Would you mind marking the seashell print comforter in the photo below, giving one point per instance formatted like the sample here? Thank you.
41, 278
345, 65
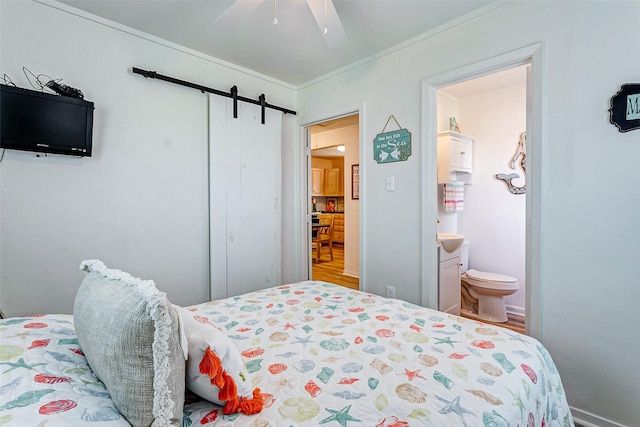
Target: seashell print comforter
323, 355
329, 356
45, 379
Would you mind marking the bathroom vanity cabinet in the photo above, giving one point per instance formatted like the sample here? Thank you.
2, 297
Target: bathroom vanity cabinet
449, 281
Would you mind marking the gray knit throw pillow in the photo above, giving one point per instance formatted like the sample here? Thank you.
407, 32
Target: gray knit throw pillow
130, 334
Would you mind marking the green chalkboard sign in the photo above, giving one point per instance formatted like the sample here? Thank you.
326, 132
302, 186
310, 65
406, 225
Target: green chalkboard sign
392, 146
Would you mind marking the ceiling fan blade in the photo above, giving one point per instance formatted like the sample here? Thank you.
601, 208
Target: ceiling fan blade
238, 8
326, 16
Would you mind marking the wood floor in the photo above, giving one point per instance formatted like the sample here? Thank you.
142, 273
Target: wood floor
514, 322
331, 271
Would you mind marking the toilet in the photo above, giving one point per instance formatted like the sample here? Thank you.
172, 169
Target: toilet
483, 292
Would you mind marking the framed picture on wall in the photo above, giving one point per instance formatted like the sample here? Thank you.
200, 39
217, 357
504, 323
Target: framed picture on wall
332, 204
355, 181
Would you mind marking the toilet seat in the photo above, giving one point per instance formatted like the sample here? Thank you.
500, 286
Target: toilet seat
490, 277
483, 279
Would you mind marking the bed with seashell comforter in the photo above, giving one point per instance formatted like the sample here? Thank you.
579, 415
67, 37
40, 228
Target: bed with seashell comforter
322, 355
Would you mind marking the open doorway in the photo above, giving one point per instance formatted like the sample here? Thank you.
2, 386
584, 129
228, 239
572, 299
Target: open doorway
333, 166
488, 116
535, 123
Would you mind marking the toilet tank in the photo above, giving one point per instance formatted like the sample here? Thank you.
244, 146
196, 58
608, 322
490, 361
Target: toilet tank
464, 256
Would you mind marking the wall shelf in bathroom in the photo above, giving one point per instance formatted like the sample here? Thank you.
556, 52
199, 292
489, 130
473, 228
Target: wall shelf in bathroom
455, 157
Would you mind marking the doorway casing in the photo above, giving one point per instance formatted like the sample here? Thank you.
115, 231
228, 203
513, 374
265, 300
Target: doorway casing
305, 243
533, 55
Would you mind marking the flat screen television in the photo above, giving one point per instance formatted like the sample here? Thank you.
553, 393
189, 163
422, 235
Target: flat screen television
45, 123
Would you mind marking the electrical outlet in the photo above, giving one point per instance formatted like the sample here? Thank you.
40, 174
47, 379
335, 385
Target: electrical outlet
391, 291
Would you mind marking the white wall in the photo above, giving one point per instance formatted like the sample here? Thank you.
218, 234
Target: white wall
140, 203
494, 219
589, 277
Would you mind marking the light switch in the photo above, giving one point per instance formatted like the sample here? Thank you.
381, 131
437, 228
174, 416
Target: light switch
391, 185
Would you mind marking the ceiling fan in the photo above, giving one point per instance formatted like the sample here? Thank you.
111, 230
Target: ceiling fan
323, 11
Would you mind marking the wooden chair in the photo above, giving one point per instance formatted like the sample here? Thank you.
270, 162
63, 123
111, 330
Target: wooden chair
324, 237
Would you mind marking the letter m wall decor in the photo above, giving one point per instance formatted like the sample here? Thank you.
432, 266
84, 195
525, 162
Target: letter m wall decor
625, 108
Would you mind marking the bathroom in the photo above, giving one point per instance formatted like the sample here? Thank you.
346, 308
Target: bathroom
492, 111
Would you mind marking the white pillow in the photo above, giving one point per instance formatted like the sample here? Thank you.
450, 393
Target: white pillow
215, 368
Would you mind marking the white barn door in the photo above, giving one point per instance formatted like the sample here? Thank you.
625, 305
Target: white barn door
244, 198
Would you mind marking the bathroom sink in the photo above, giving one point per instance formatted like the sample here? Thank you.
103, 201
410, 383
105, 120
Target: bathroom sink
450, 242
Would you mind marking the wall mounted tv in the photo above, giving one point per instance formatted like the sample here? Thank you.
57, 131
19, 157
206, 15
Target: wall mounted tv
45, 123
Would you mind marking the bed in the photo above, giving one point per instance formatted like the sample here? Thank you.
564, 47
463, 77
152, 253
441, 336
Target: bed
320, 354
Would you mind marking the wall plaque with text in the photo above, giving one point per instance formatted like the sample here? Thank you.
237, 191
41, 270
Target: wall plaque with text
392, 146
625, 108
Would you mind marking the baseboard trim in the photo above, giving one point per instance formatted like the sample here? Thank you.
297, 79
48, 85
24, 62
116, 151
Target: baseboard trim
351, 274
587, 419
513, 309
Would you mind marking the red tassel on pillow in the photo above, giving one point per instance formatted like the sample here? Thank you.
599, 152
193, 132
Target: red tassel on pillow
231, 407
248, 406
228, 391
211, 366
252, 406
